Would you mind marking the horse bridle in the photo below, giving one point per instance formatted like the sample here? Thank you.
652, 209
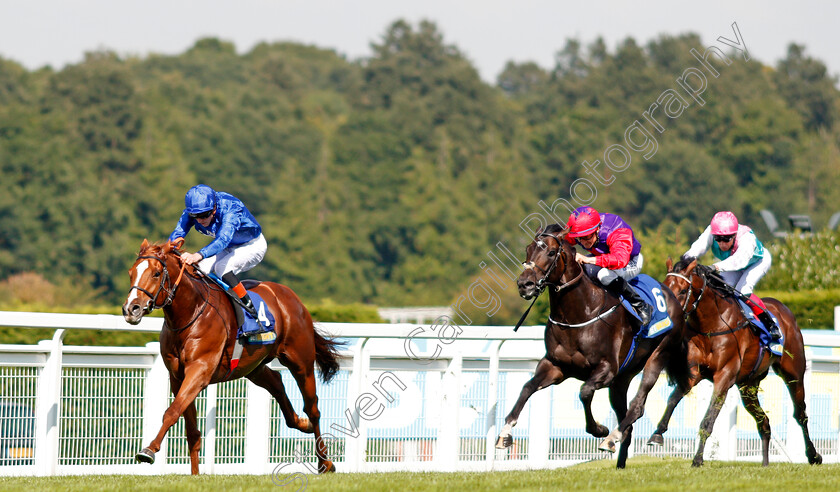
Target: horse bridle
543, 282
170, 288
686, 311
164, 286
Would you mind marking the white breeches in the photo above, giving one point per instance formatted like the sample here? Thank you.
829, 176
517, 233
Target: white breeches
633, 268
744, 280
236, 259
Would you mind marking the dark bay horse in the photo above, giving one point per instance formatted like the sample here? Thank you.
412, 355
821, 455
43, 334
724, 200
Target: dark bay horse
588, 336
198, 338
725, 351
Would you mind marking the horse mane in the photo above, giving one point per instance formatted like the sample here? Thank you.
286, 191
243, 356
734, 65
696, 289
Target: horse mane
553, 228
683, 263
706, 272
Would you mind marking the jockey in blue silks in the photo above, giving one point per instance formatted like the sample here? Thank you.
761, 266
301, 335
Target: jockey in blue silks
238, 243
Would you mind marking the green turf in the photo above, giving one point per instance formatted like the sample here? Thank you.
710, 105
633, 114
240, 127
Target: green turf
642, 474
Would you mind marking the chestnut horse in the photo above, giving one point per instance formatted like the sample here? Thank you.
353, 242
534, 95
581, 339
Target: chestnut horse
725, 351
588, 336
198, 338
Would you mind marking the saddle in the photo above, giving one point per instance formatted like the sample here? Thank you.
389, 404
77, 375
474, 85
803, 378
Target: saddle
252, 331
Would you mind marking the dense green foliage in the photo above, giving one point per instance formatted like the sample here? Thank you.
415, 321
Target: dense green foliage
386, 180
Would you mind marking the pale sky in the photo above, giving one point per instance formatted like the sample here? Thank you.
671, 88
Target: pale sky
490, 32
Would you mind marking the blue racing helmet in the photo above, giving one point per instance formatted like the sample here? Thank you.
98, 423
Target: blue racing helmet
200, 198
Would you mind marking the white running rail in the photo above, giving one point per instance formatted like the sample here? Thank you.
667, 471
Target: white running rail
87, 410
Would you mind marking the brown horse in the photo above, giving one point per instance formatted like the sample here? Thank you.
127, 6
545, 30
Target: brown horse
198, 338
724, 352
588, 336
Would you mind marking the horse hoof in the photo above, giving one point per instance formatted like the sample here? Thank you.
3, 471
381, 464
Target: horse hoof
656, 440
329, 468
146, 455
697, 463
607, 445
504, 442
817, 460
305, 425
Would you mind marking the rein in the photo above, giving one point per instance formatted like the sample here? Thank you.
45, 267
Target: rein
543, 282
169, 288
686, 312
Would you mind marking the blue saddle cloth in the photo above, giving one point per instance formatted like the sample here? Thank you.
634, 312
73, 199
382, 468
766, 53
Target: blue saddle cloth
763, 334
660, 322
651, 292
264, 322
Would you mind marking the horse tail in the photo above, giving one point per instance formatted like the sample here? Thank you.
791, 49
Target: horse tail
326, 355
677, 366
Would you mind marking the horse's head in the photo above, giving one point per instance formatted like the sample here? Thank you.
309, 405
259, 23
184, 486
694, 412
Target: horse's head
151, 280
546, 258
686, 281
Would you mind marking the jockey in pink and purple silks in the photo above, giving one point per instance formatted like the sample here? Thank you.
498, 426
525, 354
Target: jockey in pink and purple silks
616, 254
742, 260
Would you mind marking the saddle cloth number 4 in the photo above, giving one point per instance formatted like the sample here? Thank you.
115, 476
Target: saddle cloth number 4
261, 316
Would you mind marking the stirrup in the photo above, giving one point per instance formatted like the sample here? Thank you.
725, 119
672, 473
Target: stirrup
644, 311
248, 306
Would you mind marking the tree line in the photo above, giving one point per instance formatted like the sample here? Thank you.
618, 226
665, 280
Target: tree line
385, 180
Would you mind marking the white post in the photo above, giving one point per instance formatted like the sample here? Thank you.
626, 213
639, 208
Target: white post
355, 448
449, 432
208, 443
795, 442
47, 408
538, 428
492, 404
256, 437
836, 318
722, 443
156, 393
728, 420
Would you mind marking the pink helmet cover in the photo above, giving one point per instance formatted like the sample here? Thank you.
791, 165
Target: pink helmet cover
724, 223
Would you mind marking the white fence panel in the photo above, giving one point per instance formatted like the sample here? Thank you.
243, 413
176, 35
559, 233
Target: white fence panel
88, 410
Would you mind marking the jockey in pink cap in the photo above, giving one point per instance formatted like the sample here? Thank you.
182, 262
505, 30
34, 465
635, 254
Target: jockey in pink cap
742, 260
616, 254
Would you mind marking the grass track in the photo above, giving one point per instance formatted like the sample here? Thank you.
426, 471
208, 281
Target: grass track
642, 474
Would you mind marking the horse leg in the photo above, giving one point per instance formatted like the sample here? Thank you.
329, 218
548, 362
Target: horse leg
545, 375
600, 378
749, 395
272, 381
653, 367
196, 378
676, 396
193, 436
723, 380
304, 374
618, 401
673, 400
190, 426
796, 387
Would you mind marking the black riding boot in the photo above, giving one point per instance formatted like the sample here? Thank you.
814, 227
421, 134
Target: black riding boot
765, 318
643, 309
239, 291
248, 306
